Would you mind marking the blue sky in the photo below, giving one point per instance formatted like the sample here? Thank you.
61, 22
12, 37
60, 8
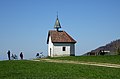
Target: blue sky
24, 24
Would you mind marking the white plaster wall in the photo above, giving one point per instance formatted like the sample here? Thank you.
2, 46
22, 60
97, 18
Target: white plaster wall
57, 49
50, 46
72, 50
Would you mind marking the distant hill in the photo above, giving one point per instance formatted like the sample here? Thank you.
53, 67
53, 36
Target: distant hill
110, 48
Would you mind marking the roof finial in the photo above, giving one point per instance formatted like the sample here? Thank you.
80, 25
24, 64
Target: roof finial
57, 23
57, 14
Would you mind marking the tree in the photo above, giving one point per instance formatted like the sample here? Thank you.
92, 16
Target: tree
118, 51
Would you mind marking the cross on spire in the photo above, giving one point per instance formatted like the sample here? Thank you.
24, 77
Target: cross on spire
57, 23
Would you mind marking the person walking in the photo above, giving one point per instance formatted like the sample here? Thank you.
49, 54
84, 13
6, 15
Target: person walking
21, 56
8, 54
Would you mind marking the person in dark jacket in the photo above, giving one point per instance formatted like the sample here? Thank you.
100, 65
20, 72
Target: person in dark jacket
8, 54
21, 56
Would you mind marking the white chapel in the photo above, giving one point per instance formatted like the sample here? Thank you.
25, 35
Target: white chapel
59, 42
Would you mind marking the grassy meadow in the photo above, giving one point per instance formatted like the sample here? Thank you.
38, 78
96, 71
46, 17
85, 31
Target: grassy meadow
113, 59
25, 69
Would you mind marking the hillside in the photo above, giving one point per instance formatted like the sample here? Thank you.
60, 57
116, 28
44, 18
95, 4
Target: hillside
111, 48
112, 59
24, 69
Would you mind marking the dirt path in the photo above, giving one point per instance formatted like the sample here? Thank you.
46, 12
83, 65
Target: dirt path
84, 63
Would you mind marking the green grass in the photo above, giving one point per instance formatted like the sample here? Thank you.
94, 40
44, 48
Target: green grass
46, 70
114, 59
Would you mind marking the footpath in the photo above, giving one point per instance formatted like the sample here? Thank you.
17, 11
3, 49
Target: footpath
79, 62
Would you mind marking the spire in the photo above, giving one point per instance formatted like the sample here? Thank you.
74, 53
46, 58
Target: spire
57, 24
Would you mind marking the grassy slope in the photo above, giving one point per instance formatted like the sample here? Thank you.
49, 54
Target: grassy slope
37, 70
115, 59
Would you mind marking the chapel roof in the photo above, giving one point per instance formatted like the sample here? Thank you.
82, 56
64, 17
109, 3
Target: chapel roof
60, 37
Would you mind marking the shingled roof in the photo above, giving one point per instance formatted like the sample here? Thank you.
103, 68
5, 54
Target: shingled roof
60, 37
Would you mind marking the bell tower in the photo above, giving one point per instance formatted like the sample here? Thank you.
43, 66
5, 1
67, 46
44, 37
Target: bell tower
57, 24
